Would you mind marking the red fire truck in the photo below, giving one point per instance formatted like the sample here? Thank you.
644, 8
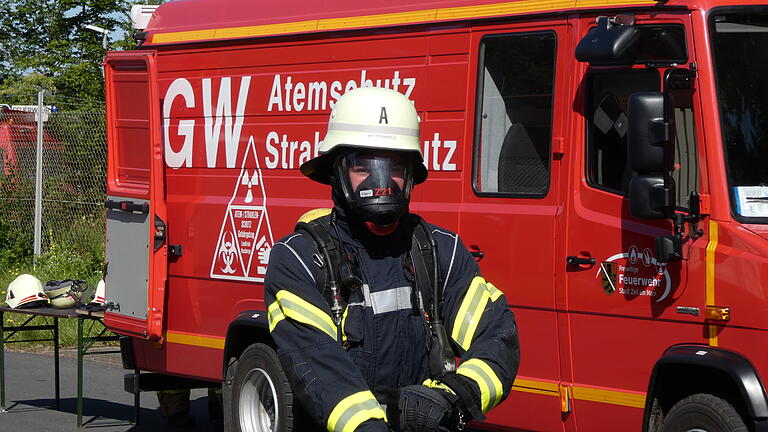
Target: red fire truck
605, 160
18, 143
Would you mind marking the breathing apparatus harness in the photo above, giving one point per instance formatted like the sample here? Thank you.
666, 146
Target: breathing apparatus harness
340, 275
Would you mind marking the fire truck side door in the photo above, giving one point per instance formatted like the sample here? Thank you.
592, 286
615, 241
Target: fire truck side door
509, 212
625, 306
136, 250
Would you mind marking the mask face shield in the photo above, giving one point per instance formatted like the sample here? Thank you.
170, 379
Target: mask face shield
376, 185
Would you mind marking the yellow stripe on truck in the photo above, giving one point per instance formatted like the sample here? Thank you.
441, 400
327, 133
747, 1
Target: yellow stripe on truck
391, 19
195, 340
709, 281
580, 392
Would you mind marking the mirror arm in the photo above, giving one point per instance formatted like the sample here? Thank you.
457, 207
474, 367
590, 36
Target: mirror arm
670, 248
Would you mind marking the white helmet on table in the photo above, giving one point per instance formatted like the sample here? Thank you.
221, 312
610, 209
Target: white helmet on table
25, 291
100, 296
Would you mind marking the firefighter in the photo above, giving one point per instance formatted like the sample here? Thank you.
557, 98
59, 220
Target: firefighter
358, 338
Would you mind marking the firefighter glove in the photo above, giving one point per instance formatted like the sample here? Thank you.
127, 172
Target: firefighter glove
424, 409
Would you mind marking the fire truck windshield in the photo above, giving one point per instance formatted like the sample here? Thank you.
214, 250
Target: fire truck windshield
739, 42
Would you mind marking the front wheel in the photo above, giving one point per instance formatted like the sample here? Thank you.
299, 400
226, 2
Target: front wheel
261, 396
703, 413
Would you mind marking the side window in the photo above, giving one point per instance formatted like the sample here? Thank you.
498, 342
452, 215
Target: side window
607, 96
513, 129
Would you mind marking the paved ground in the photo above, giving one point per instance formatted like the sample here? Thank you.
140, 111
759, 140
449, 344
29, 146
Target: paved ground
29, 397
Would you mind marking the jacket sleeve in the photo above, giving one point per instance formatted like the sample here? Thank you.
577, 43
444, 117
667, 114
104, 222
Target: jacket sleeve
321, 374
479, 324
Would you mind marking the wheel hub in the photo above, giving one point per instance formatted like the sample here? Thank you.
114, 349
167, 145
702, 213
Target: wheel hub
258, 408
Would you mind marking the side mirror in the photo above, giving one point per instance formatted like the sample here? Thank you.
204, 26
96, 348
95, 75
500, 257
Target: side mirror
648, 133
651, 190
608, 42
651, 153
650, 198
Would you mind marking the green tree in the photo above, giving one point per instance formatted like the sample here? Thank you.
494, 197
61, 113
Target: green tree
43, 43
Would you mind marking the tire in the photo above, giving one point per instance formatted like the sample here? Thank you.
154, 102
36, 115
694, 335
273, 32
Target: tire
703, 413
261, 399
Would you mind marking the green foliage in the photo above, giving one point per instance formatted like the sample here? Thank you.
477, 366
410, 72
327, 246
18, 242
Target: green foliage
43, 44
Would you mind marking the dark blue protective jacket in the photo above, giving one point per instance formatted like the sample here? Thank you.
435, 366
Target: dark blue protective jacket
384, 337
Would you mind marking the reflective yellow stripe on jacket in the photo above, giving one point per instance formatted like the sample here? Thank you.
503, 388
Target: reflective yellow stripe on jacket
490, 385
353, 410
294, 307
274, 315
471, 310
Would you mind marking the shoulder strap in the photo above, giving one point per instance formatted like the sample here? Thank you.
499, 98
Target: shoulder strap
327, 256
427, 270
423, 264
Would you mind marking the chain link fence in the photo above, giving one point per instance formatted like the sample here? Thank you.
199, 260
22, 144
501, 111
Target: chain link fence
73, 175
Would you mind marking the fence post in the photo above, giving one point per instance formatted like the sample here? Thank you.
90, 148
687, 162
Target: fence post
39, 177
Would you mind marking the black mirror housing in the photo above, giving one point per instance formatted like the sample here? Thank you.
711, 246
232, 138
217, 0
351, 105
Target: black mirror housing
648, 133
649, 198
607, 43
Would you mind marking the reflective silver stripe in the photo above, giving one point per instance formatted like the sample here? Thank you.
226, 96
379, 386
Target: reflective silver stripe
390, 300
388, 130
453, 255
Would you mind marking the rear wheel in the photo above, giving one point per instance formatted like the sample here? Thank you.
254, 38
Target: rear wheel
261, 396
703, 413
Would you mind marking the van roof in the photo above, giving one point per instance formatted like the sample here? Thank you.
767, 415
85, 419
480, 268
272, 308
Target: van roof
207, 20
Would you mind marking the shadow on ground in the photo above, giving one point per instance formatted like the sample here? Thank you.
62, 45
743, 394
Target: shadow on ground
98, 413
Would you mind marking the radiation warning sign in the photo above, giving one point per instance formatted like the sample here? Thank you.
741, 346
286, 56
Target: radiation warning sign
245, 238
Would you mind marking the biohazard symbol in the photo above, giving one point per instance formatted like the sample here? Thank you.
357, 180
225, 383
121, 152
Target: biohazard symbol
227, 253
245, 238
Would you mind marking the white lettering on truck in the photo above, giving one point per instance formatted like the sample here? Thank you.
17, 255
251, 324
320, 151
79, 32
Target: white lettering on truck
285, 95
283, 151
213, 121
224, 109
180, 87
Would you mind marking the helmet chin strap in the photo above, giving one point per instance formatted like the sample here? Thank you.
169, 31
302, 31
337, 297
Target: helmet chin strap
381, 230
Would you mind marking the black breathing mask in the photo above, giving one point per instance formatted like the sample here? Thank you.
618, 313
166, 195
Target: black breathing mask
376, 184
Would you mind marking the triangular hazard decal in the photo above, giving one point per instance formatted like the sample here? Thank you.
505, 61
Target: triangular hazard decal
245, 238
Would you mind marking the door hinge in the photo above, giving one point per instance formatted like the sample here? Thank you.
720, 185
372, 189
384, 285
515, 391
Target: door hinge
175, 250
558, 147
565, 398
159, 233
704, 204
127, 206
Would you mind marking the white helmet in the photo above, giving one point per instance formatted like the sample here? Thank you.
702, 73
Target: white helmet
25, 291
100, 296
370, 118
371, 155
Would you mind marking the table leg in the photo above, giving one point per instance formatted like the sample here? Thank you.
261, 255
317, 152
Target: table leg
56, 360
136, 400
79, 373
2, 363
